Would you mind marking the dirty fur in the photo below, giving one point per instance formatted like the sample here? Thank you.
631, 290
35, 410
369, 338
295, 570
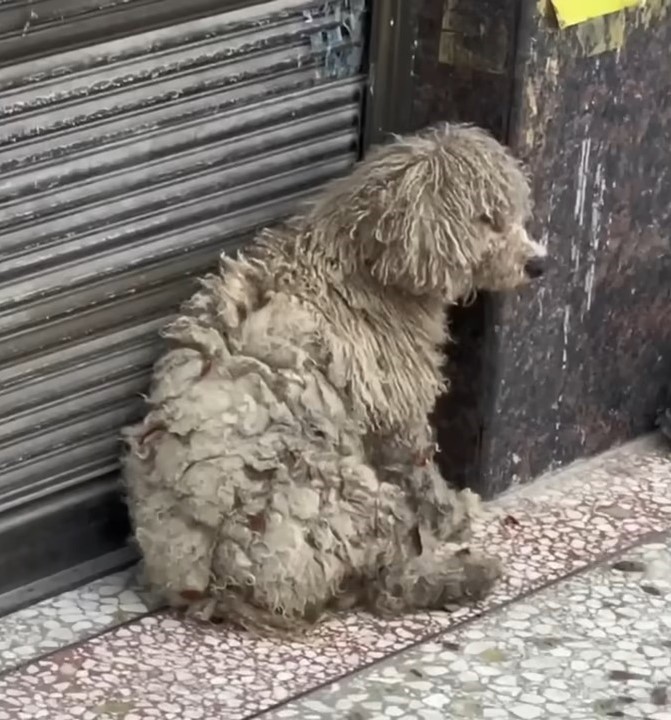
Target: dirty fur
285, 467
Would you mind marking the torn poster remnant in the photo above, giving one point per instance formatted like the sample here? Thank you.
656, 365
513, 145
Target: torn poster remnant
573, 12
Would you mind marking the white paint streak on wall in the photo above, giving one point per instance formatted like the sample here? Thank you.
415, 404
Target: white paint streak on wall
557, 407
583, 168
575, 255
567, 329
543, 241
595, 235
540, 296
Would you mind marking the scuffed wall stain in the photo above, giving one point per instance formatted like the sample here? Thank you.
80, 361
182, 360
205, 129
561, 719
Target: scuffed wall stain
602, 34
536, 99
652, 12
469, 40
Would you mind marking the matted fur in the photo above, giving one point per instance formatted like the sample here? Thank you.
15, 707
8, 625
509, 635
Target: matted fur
285, 466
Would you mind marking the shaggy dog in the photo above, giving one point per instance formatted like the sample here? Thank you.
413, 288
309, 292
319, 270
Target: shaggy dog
285, 467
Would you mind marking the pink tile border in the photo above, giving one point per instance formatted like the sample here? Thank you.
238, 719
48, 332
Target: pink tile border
167, 668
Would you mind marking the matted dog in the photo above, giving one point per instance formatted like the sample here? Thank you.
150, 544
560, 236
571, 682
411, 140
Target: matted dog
285, 467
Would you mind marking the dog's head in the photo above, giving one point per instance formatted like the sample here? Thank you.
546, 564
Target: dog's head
443, 211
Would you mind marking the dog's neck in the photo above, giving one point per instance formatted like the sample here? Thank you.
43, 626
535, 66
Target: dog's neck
384, 347
387, 350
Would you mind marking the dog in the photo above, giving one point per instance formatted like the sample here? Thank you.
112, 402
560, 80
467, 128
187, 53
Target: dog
285, 468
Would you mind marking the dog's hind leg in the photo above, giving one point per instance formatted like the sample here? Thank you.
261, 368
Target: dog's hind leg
177, 550
433, 580
176, 514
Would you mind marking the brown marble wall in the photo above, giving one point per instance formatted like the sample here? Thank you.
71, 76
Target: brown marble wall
541, 378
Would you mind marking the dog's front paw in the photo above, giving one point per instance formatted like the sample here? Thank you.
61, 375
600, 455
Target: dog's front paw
480, 575
469, 576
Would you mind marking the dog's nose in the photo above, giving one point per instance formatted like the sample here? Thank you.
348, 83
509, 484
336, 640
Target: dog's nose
535, 267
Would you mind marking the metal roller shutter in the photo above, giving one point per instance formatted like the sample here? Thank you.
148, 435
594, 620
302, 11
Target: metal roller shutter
126, 166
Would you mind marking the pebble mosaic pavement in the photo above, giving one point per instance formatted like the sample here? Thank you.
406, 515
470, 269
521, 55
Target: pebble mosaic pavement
73, 616
595, 646
162, 667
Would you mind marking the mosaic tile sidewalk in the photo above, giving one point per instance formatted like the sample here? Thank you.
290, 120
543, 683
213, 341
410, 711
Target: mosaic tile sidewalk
163, 667
597, 645
73, 616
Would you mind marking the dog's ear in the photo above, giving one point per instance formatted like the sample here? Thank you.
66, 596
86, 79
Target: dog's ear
409, 213
421, 235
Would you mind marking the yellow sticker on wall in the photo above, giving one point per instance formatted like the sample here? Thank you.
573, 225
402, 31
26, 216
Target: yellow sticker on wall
572, 12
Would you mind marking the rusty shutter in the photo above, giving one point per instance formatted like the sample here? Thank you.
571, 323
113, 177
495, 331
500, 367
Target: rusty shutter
138, 139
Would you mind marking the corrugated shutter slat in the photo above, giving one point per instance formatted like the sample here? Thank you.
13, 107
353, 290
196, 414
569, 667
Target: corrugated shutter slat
125, 168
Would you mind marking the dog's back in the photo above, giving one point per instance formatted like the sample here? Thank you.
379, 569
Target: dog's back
247, 479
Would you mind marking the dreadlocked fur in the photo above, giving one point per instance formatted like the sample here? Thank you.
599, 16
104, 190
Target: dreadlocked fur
285, 467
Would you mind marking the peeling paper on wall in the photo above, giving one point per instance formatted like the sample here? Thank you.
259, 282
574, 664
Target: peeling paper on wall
573, 12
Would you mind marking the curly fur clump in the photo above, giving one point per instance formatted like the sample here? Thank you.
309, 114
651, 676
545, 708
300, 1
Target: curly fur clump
285, 467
